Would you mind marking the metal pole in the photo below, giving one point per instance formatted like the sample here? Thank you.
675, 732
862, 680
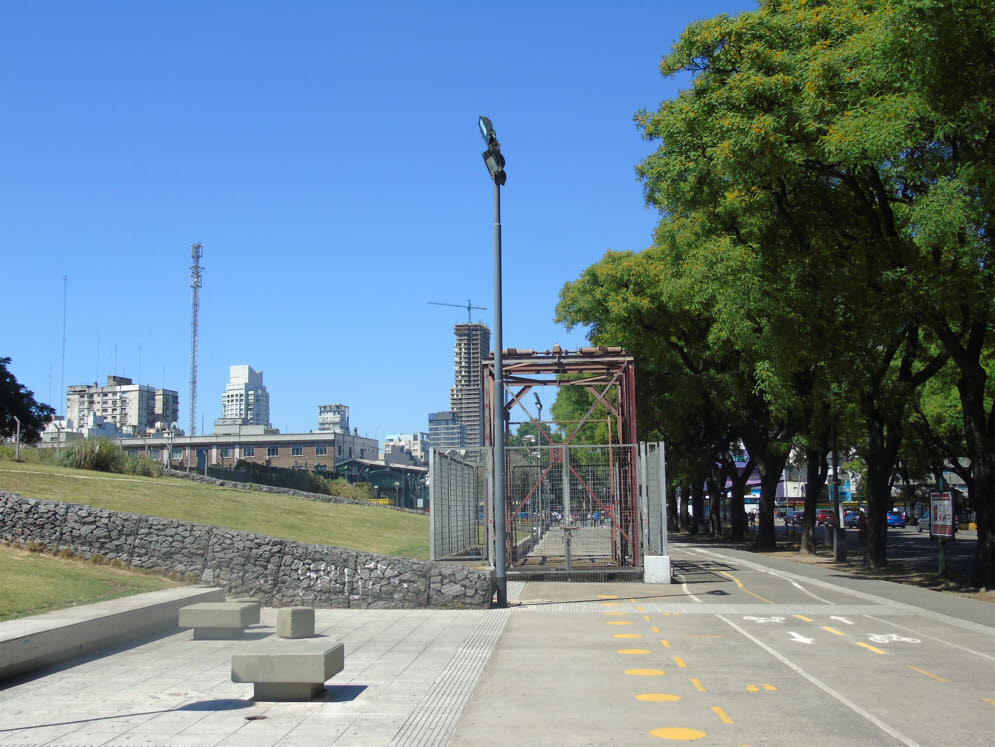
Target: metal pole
839, 532
17, 439
498, 415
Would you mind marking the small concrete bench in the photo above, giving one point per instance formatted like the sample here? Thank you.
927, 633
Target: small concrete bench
248, 600
218, 620
288, 669
295, 622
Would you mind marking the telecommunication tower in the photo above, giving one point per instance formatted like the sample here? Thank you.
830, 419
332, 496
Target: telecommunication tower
197, 252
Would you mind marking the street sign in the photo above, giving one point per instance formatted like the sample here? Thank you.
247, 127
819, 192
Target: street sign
941, 515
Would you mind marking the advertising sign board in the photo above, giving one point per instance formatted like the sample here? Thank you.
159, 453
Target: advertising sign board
941, 515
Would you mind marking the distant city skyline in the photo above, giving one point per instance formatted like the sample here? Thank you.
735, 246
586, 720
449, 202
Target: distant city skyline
328, 157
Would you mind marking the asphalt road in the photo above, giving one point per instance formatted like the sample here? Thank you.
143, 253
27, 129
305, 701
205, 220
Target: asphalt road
743, 650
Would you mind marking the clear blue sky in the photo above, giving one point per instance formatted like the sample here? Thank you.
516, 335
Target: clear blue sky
328, 157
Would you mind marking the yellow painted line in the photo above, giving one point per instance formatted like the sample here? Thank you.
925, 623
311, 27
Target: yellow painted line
936, 677
607, 596
611, 604
634, 651
989, 700
666, 614
870, 647
645, 617
680, 662
722, 715
752, 689
658, 697
615, 613
740, 585
832, 630
627, 635
802, 617
677, 733
769, 687
698, 686
620, 622
640, 609
633, 601
645, 672
666, 644
656, 629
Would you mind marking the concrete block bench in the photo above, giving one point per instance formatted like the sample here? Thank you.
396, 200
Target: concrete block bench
248, 600
295, 622
288, 669
218, 620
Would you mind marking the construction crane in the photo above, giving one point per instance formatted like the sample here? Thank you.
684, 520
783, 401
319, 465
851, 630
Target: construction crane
460, 306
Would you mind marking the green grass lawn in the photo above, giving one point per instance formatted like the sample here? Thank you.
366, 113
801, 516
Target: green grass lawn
367, 528
31, 583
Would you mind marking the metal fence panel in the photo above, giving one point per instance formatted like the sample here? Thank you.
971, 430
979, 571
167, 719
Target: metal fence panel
457, 506
653, 476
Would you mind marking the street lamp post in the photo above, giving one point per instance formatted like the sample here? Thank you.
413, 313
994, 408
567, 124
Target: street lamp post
495, 167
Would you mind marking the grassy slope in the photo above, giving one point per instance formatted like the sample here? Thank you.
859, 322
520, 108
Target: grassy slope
31, 583
368, 528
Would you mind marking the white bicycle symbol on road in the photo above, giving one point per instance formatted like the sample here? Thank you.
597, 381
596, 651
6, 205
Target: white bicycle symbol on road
890, 638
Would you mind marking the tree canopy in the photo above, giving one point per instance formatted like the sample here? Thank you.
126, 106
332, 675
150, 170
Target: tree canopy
17, 401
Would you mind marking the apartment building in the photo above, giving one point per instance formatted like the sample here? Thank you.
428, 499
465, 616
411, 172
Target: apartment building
333, 418
445, 430
466, 397
134, 409
245, 400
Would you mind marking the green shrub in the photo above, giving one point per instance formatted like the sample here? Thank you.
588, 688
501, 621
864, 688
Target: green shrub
141, 465
30, 454
98, 454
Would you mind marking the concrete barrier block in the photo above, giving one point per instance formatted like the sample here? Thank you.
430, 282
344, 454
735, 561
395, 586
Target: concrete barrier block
282, 669
656, 569
217, 620
248, 600
295, 622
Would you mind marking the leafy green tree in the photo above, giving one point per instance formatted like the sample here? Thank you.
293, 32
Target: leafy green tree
18, 401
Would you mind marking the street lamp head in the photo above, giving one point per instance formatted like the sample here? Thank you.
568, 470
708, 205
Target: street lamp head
487, 130
495, 165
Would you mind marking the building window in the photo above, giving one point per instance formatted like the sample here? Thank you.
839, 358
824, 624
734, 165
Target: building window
296, 451
249, 451
226, 452
132, 452
350, 452
321, 450
154, 454
272, 451
338, 449
177, 454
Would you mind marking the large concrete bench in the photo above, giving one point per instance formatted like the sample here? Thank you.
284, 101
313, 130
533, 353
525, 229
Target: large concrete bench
288, 668
218, 620
30, 643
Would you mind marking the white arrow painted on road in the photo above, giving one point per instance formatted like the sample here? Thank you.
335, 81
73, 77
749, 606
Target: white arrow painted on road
841, 619
798, 638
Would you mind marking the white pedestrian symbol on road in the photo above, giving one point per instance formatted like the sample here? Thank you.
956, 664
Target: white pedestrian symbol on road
761, 620
890, 638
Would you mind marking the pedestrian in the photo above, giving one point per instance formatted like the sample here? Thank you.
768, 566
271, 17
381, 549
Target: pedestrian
862, 527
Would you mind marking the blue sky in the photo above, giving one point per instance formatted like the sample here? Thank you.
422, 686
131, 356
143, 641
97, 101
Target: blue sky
328, 157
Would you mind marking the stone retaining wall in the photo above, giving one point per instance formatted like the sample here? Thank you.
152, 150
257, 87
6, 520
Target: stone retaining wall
279, 572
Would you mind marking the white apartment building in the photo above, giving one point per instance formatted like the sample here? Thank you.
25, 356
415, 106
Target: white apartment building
134, 409
415, 443
333, 418
245, 401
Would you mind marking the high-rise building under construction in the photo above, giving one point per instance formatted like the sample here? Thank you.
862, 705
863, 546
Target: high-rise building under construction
466, 397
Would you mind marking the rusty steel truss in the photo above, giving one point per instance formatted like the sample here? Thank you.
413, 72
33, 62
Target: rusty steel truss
608, 373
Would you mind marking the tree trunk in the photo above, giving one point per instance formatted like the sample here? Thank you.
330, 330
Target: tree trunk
770, 466
737, 493
716, 494
979, 434
697, 505
815, 479
673, 514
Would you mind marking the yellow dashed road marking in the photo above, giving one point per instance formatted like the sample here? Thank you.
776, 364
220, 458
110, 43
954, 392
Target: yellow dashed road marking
680, 662
802, 617
678, 733
740, 585
614, 613
656, 629
666, 644
658, 697
722, 715
752, 689
645, 672
769, 687
989, 700
627, 635
832, 630
607, 596
611, 604
698, 686
869, 647
936, 677
620, 622
635, 651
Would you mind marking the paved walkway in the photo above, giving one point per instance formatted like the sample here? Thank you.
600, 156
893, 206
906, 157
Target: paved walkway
736, 653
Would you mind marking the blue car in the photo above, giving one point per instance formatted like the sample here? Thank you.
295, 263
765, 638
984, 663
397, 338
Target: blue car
896, 519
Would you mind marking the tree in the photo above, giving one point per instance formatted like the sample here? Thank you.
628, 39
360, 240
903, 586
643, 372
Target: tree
18, 401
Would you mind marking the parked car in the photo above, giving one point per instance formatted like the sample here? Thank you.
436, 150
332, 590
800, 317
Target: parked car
895, 519
850, 519
795, 517
825, 517
923, 522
